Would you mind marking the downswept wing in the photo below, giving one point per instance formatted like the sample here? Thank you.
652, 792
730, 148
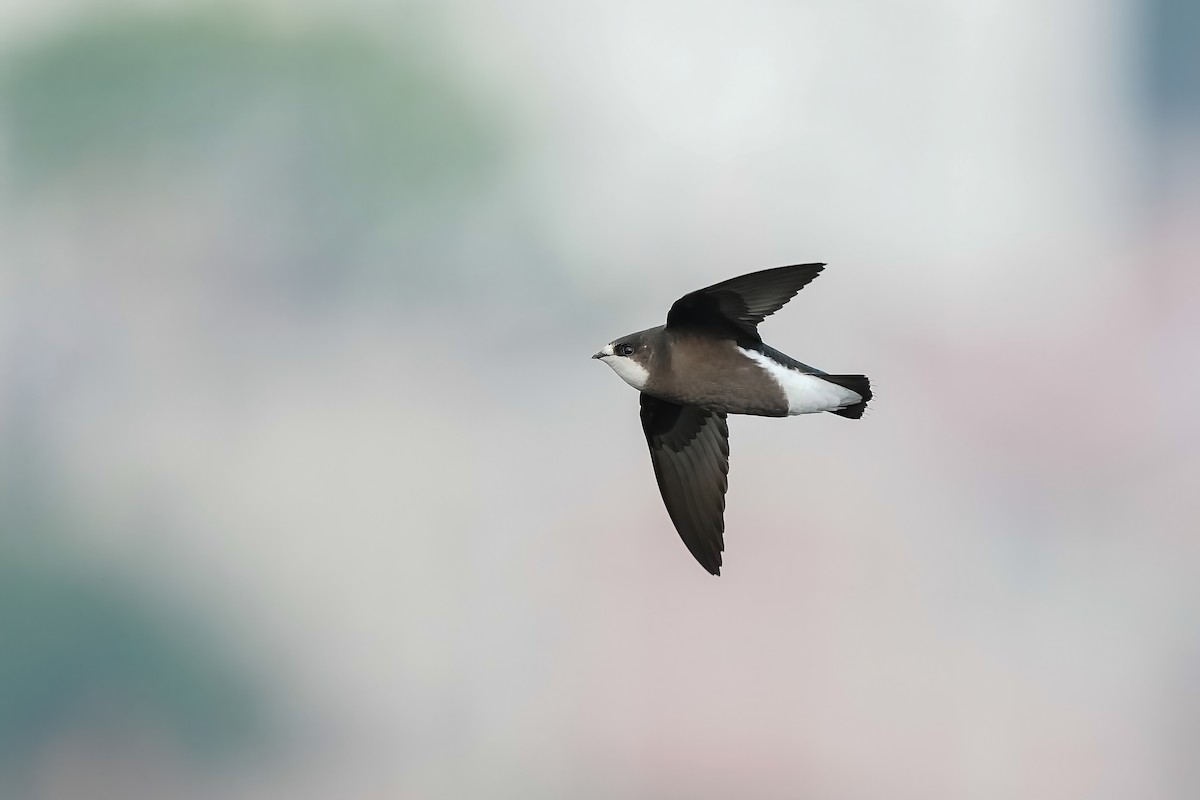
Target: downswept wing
737, 305
689, 448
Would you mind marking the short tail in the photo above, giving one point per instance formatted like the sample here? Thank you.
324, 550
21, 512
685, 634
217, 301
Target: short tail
858, 384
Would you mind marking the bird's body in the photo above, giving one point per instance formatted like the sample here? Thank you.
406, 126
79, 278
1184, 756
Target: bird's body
690, 368
709, 361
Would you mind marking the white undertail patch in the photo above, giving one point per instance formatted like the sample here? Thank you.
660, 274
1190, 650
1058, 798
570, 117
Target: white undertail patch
805, 393
630, 371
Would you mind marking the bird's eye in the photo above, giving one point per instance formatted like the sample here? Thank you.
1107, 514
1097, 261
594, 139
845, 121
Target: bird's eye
625, 350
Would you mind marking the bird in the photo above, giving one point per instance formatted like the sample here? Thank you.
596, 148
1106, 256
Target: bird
706, 362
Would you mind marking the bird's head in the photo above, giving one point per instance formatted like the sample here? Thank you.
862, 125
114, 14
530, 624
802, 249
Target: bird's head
629, 357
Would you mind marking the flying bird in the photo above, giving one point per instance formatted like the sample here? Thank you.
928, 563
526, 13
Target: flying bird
708, 361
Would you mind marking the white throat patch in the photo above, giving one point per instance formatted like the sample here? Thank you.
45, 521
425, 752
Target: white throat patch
630, 371
806, 394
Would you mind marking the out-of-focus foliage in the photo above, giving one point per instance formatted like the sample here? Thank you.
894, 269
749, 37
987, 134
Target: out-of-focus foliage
1173, 59
360, 151
80, 648
129, 88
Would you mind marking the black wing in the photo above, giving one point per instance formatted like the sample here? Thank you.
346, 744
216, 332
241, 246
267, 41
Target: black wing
737, 305
690, 450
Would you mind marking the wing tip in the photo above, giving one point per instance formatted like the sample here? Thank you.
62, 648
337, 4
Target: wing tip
815, 266
713, 560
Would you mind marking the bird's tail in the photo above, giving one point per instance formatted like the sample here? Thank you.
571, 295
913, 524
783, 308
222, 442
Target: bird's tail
858, 384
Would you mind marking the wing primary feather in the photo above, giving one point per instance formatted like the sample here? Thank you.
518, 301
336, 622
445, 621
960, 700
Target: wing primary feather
689, 451
735, 307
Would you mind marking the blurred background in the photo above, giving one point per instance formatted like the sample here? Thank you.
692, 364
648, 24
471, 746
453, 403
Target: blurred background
309, 489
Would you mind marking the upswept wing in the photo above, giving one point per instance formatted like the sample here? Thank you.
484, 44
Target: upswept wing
739, 304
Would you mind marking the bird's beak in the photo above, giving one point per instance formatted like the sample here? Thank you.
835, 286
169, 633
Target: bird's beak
599, 355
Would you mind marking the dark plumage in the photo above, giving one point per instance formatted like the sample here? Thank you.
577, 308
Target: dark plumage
709, 361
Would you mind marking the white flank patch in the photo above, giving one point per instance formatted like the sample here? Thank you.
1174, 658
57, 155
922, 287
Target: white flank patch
630, 371
806, 394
